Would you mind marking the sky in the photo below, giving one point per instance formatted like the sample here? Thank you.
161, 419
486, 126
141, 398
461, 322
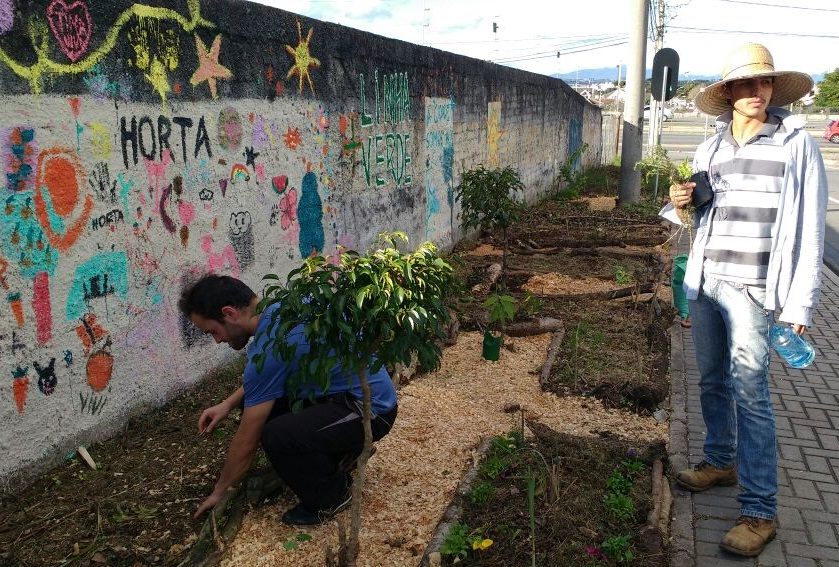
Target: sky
803, 35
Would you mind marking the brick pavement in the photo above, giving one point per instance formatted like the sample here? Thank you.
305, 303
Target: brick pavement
807, 413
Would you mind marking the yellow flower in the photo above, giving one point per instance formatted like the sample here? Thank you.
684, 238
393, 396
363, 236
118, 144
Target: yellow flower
481, 544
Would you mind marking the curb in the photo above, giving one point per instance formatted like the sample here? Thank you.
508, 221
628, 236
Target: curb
682, 544
453, 511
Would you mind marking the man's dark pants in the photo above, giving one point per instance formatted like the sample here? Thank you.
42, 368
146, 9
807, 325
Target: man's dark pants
306, 446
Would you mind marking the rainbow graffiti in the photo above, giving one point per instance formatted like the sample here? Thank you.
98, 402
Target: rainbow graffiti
239, 172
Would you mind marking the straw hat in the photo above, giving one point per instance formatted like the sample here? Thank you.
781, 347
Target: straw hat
746, 62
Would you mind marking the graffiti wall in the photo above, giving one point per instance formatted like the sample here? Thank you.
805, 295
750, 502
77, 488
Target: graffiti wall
145, 144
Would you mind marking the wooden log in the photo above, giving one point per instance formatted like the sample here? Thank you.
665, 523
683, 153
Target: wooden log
492, 275
553, 352
664, 516
607, 295
651, 537
534, 327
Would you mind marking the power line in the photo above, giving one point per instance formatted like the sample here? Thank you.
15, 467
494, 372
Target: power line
528, 39
569, 52
786, 34
570, 48
764, 5
530, 50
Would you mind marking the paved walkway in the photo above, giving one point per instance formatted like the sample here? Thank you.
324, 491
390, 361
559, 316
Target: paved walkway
807, 413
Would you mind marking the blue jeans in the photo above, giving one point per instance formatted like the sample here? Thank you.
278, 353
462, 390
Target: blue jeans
731, 335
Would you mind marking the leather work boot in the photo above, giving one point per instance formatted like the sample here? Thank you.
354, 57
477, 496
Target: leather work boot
705, 475
749, 536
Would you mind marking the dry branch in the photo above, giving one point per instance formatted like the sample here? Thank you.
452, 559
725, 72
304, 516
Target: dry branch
553, 352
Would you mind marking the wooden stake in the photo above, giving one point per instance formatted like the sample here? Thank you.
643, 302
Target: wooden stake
86, 457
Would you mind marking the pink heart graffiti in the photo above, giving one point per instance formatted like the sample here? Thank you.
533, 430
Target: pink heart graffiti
72, 26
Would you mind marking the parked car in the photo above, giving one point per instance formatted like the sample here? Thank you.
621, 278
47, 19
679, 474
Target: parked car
668, 114
832, 132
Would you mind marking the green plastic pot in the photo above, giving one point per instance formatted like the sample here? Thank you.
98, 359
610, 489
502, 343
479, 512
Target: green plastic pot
680, 300
492, 346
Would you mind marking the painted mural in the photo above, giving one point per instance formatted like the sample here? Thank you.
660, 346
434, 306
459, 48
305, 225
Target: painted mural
142, 146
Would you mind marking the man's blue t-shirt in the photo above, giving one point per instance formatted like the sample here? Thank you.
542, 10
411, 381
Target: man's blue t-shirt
270, 384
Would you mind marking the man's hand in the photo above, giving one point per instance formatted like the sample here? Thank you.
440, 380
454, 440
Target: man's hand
799, 329
681, 195
210, 417
208, 504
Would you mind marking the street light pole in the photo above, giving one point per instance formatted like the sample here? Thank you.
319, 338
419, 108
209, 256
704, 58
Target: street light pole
630, 191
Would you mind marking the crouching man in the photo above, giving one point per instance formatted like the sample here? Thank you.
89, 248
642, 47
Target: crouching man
310, 449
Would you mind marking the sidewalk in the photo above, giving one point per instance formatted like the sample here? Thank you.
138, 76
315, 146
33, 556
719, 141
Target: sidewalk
807, 414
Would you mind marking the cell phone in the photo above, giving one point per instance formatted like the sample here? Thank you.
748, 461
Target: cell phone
703, 192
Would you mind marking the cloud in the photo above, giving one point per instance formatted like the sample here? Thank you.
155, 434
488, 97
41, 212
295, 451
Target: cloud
376, 14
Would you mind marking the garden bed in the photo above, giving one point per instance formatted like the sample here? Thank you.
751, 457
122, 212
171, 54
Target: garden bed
136, 509
590, 501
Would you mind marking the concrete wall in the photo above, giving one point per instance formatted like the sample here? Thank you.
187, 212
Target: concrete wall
144, 145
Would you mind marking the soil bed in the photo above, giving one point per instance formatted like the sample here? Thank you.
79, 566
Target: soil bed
136, 508
614, 349
570, 513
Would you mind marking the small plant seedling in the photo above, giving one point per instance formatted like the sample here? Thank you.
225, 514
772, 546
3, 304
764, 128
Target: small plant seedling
618, 484
576, 180
481, 493
657, 164
492, 466
618, 548
457, 542
633, 466
530, 305
620, 506
506, 444
501, 309
622, 275
293, 543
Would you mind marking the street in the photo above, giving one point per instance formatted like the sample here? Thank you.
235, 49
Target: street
681, 136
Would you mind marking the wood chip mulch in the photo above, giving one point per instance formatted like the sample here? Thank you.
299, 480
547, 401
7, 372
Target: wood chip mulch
413, 475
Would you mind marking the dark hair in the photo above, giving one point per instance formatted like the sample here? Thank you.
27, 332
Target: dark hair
208, 295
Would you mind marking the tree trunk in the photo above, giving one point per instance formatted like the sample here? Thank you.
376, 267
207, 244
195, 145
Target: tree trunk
504, 261
349, 554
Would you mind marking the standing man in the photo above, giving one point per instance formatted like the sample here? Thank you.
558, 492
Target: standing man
758, 249
311, 449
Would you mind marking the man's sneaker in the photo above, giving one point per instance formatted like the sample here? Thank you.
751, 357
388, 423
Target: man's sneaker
705, 475
350, 462
301, 516
340, 507
749, 536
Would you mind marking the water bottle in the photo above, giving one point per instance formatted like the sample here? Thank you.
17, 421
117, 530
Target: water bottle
793, 348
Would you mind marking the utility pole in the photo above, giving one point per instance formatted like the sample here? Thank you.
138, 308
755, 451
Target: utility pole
656, 107
632, 120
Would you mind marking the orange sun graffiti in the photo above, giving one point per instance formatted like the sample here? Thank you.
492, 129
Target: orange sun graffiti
302, 58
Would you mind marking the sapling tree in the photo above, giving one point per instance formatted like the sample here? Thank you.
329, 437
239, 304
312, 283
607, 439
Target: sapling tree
491, 199
362, 311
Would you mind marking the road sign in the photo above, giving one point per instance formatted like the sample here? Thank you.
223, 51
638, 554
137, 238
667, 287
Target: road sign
665, 70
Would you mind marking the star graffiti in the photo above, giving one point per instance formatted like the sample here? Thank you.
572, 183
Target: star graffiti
209, 69
303, 59
250, 156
